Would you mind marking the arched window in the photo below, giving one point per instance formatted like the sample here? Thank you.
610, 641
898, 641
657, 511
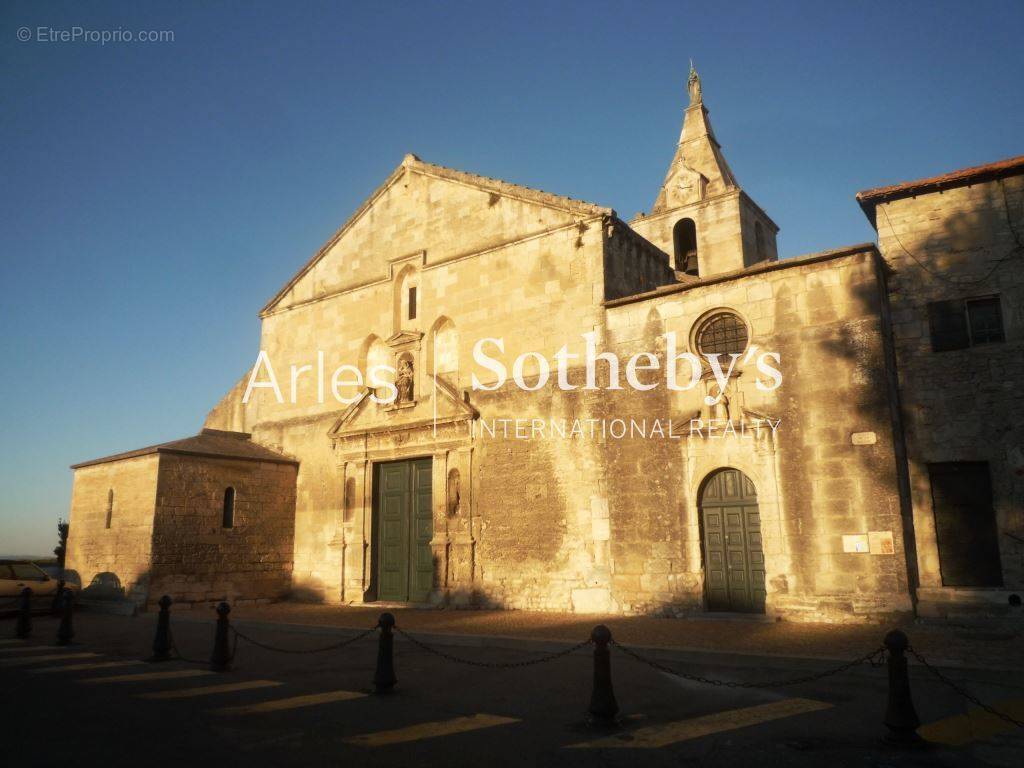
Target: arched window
723, 333
444, 349
110, 507
412, 302
759, 243
684, 237
376, 364
228, 520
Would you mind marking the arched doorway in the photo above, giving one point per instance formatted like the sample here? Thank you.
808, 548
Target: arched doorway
731, 538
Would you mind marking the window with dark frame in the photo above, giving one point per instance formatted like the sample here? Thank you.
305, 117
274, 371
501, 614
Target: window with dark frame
985, 319
228, 519
963, 323
412, 303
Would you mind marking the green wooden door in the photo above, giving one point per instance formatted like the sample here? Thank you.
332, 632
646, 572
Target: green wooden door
405, 528
734, 572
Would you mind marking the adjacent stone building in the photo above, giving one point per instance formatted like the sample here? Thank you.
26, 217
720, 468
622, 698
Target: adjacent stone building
810, 497
206, 518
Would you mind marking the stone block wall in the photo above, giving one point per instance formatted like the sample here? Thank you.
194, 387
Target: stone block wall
816, 482
960, 405
632, 265
194, 558
112, 562
725, 231
484, 264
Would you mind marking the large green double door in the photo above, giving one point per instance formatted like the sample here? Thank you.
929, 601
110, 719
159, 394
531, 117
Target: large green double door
404, 530
734, 568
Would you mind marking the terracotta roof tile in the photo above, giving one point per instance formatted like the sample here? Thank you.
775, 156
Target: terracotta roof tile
213, 443
869, 198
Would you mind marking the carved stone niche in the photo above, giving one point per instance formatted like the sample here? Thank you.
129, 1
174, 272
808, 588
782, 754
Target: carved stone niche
729, 401
408, 379
454, 502
405, 380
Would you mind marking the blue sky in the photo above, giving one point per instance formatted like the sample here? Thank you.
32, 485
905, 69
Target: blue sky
155, 195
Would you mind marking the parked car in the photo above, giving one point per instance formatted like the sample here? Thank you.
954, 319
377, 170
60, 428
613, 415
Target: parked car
15, 576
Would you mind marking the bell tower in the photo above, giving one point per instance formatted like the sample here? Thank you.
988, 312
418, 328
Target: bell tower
702, 218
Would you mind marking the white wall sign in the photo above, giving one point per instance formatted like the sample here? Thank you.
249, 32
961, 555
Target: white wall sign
857, 542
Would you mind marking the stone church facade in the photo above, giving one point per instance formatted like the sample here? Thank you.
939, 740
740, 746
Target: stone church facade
883, 476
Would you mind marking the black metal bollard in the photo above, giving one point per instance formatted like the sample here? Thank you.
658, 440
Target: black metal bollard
603, 706
58, 599
162, 640
24, 627
66, 630
384, 677
220, 661
900, 716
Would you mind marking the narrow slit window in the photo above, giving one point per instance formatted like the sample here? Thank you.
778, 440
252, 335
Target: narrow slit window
412, 303
228, 520
110, 507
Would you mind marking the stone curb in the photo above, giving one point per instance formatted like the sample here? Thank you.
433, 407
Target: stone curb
552, 645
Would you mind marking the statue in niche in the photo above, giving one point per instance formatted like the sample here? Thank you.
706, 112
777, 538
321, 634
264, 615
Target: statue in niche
404, 381
454, 493
718, 401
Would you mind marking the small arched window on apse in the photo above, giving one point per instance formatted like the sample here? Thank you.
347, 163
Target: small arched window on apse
684, 240
228, 516
110, 507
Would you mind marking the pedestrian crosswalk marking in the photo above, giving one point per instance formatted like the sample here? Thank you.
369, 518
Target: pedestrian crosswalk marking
24, 662
83, 667
171, 675
662, 735
31, 649
430, 730
184, 693
975, 725
294, 702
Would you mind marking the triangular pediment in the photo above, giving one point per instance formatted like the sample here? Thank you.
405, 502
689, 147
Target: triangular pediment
404, 337
442, 404
427, 208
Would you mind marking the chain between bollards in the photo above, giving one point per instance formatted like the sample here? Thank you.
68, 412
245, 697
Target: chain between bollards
24, 628
384, 676
220, 661
603, 706
66, 631
162, 639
